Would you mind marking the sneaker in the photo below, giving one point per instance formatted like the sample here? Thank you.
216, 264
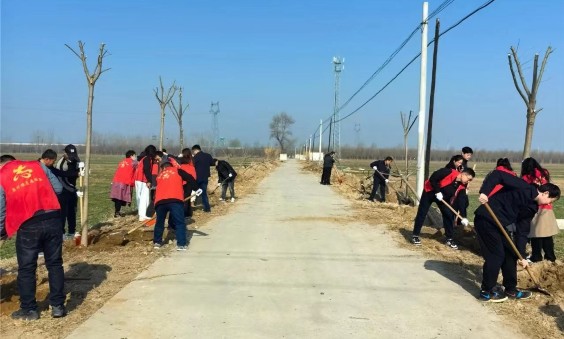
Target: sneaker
221, 199
519, 294
232, 199
25, 315
181, 248
157, 246
415, 240
41, 254
450, 243
58, 311
493, 296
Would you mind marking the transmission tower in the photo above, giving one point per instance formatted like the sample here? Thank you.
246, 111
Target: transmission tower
338, 66
214, 111
357, 133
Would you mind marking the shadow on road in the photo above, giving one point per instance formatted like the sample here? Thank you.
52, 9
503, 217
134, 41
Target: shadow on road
461, 276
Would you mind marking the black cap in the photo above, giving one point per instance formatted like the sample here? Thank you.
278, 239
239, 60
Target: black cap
70, 150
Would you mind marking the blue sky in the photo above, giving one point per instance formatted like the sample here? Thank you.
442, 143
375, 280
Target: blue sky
258, 58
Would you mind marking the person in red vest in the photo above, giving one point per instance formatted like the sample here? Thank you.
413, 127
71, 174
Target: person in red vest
123, 182
169, 198
445, 183
143, 180
184, 162
29, 206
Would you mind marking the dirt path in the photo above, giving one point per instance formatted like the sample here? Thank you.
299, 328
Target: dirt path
291, 261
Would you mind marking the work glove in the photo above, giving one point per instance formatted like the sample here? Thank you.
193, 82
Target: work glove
375, 168
79, 194
81, 164
218, 184
199, 192
439, 196
230, 175
464, 222
386, 181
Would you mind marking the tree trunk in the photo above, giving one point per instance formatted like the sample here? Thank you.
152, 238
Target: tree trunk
162, 128
181, 135
84, 212
531, 115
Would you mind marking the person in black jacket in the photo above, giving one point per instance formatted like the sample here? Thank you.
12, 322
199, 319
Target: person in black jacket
328, 161
467, 153
202, 162
226, 178
447, 184
497, 252
68, 173
381, 175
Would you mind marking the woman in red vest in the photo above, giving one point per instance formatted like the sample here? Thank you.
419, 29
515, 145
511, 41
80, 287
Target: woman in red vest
123, 182
184, 162
169, 198
28, 197
444, 183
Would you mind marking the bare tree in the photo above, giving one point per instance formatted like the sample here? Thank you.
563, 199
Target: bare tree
178, 113
407, 124
91, 79
164, 100
280, 129
529, 95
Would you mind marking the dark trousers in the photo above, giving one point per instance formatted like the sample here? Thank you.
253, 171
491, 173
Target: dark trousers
176, 219
427, 198
187, 203
68, 201
497, 254
380, 187
545, 244
228, 184
521, 235
326, 176
205, 201
117, 205
36, 236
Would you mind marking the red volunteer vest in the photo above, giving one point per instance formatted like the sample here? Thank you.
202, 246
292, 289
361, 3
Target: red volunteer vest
449, 179
188, 168
125, 172
169, 185
139, 175
27, 191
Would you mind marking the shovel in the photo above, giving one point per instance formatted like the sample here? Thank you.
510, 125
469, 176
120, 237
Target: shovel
218, 185
516, 251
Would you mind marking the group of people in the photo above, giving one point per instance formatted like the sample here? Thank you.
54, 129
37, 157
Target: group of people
38, 198
523, 205
167, 184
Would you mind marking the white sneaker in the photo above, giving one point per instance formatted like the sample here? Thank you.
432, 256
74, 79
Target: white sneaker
232, 199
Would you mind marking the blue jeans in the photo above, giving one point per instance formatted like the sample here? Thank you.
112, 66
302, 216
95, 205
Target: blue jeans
36, 236
205, 201
176, 219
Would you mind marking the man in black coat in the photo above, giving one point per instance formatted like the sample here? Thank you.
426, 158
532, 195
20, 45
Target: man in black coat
68, 173
202, 162
226, 178
328, 161
381, 175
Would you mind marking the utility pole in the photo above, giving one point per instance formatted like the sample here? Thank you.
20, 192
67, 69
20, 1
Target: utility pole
330, 134
338, 66
320, 138
309, 155
432, 100
214, 111
422, 105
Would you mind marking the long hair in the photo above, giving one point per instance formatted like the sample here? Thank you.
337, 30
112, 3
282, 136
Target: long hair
504, 162
528, 167
454, 159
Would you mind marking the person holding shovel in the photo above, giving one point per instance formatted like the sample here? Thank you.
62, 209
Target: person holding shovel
202, 162
498, 253
225, 178
443, 184
381, 174
328, 161
169, 198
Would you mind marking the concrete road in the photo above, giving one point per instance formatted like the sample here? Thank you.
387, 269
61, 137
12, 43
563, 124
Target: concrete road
287, 262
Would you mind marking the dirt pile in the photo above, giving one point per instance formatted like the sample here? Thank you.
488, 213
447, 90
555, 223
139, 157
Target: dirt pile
113, 259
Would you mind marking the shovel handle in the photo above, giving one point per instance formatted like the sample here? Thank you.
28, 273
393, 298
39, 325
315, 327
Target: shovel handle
508, 238
452, 209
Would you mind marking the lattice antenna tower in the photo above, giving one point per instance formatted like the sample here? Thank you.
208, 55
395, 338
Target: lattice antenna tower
214, 111
338, 67
357, 133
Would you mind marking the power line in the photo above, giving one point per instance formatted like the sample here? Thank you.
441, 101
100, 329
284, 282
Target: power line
417, 56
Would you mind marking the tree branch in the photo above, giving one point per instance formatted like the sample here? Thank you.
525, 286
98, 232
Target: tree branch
515, 80
520, 71
545, 59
